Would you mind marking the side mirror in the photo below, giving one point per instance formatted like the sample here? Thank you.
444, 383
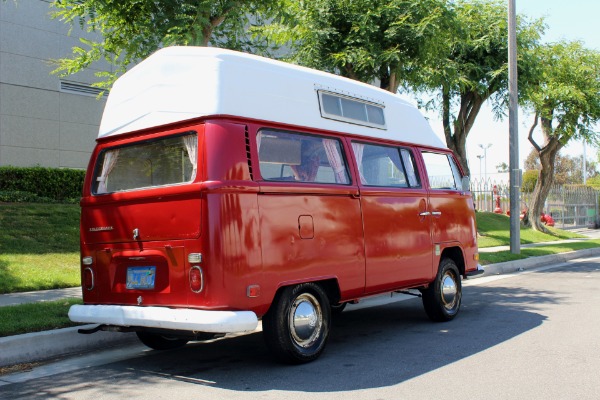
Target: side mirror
466, 183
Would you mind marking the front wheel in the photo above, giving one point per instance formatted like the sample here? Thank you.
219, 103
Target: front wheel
443, 297
160, 342
296, 328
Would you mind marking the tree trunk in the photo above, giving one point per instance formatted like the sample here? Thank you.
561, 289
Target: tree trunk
543, 185
456, 139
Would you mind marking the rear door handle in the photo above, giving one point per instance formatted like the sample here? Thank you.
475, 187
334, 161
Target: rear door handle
436, 213
424, 214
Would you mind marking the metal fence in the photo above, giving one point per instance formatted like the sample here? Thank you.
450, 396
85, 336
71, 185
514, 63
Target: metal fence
570, 206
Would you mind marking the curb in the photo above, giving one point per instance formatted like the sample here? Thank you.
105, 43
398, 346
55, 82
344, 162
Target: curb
509, 267
40, 346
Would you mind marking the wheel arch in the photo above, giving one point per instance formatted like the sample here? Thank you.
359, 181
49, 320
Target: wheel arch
330, 286
455, 253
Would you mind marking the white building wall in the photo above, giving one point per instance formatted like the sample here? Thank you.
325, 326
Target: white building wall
39, 123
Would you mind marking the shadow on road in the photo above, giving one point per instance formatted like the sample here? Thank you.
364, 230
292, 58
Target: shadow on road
369, 348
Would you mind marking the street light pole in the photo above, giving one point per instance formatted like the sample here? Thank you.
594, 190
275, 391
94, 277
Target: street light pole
484, 148
485, 187
513, 131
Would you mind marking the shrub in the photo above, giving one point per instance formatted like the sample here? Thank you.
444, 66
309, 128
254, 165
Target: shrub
40, 184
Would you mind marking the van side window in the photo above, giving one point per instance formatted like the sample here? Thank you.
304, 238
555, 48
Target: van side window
286, 156
385, 166
442, 171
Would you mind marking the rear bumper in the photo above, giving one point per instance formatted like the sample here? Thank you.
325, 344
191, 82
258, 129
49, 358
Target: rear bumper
185, 319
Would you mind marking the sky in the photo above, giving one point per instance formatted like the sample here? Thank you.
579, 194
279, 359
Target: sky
569, 20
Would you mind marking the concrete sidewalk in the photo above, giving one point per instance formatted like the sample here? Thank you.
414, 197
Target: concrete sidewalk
46, 345
13, 299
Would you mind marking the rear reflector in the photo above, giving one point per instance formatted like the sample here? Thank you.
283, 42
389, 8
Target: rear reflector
196, 279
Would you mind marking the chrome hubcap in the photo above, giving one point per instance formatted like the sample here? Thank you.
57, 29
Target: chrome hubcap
449, 291
306, 320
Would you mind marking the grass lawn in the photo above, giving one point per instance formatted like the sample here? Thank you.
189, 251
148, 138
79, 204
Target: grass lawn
494, 230
35, 317
39, 246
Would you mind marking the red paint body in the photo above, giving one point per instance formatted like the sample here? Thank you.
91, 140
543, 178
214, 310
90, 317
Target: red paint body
251, 232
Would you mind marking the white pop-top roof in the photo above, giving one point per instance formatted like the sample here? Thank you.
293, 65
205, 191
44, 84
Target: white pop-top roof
181, 83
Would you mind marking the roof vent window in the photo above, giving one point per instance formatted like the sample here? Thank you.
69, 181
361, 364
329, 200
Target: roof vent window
352, 110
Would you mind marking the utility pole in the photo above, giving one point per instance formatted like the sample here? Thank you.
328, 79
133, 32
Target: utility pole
513, 130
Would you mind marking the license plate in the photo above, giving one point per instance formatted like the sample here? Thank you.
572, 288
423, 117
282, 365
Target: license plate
140, 277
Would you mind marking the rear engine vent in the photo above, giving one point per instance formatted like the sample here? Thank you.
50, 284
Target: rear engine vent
248, 153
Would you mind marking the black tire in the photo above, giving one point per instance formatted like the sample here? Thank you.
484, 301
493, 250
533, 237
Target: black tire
443, 297
160, 342
297, 326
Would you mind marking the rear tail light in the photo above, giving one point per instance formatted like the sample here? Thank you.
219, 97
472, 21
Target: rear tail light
88, 278
196, 279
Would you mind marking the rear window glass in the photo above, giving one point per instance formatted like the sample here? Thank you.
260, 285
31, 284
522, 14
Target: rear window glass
160, 162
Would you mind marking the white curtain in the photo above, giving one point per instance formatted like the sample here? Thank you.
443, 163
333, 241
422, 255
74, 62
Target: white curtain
110, 159
358, 149
258, 140
335, 160
191, 145
410, 168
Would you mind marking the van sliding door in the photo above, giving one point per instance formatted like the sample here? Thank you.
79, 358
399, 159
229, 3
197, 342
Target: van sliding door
394, 203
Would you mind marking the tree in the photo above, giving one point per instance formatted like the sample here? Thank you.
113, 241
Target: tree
366, 40
567, 170
502, 167
563, 96
457, 49
474, 68
131, 30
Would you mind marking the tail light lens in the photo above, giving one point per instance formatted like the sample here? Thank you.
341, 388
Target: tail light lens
88, 278
196, 279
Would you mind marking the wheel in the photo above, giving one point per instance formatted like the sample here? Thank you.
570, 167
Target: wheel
443, 296
296, 328
160, 342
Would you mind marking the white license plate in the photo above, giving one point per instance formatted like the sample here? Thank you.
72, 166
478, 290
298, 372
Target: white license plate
141, 277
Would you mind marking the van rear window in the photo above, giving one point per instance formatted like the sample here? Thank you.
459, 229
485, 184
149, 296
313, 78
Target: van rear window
286, 156
166, 161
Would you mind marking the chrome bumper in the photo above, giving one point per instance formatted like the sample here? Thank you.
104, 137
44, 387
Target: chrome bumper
166, 318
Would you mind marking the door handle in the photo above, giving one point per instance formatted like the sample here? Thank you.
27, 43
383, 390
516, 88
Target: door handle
424, 214
436, 213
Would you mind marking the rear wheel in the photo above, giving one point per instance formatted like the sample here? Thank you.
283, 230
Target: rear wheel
160, 342
443, 297
296, 328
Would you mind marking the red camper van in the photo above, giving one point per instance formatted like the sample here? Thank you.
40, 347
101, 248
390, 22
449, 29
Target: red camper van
226, 189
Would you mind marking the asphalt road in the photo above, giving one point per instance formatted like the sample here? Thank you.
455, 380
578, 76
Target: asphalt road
532, 335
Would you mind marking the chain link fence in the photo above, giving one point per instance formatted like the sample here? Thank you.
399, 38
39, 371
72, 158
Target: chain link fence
570, 206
